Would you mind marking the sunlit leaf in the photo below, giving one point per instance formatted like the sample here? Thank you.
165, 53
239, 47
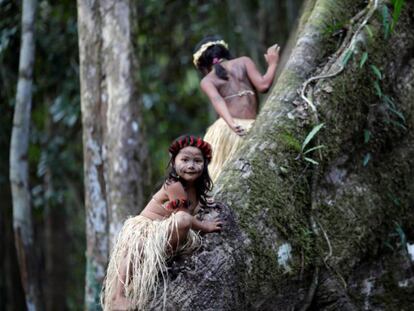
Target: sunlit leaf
311, 135
369, 31
398, 4
311, 160
363, 59
314, 148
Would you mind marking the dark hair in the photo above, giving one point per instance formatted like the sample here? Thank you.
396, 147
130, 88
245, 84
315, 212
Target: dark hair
215, 51
203, 184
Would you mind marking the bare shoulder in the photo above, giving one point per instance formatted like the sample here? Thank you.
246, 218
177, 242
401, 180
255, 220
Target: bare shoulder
205, 81
245, 60
208, 84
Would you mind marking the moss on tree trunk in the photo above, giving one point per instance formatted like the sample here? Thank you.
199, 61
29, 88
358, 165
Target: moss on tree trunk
292, 218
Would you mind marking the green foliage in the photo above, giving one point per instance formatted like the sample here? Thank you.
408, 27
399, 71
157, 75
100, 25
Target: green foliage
376, 72
369, 31
378, 89
311, 135
291, 141
363, 59
386, 21
397, 4
348, 54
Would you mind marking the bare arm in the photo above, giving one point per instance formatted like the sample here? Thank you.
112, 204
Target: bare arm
177, 193
207, 226
263, 82
220, 105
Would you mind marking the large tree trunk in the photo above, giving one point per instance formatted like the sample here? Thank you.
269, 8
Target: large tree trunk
114, 150
302, 236
19, 171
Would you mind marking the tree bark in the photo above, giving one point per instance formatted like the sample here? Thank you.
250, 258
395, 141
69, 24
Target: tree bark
297, 237
114, 149
22, 216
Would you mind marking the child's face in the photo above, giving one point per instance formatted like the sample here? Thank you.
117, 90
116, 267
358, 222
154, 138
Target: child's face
189, 163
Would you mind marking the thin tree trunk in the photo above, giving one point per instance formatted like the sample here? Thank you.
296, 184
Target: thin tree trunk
93, 105
22, 217
114, 149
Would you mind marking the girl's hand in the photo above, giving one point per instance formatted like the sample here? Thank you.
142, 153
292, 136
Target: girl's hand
239, 130
272, 55
214, 225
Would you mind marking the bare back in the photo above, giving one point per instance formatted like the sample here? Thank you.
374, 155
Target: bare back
241, 104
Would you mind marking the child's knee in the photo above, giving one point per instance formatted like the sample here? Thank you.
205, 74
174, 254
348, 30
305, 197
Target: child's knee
184, 220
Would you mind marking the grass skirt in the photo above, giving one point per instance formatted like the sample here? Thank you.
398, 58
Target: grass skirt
224, 143
143, 248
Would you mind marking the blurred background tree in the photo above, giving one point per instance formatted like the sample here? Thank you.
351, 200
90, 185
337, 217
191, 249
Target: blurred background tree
169, 90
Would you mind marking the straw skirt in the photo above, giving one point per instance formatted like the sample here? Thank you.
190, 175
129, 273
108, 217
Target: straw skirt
224, 143
141, 251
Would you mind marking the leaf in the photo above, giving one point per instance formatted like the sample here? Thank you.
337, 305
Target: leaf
314, 148
398, 124
311, 135
387, 244
311, 160
367, 136
347, 56
397, 11
401, 234
363, 59
385, 21
397, 113
377, 89
376, 71
388, 100
369, 31
367, 158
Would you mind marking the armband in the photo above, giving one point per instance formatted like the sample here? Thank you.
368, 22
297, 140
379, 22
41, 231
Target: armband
178, 203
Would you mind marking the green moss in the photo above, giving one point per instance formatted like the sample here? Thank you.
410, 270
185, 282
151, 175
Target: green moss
350, 221
290, 141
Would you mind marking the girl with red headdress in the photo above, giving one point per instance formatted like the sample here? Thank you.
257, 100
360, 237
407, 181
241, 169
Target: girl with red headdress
231, 84
165, 227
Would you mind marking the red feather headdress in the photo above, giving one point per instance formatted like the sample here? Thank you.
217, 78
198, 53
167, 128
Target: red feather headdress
190, 140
